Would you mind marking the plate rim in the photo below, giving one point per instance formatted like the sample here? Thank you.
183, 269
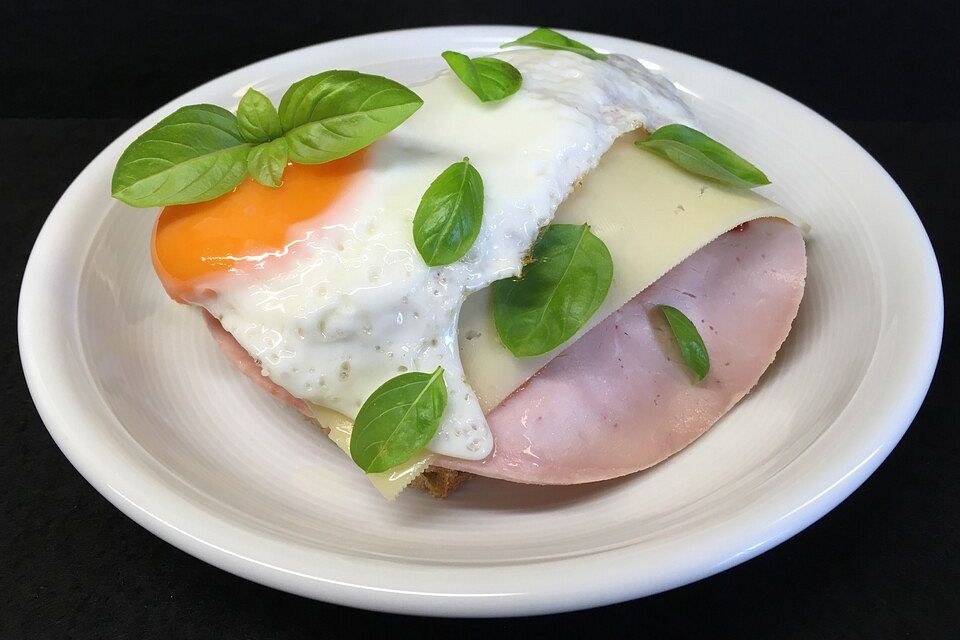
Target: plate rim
729, 550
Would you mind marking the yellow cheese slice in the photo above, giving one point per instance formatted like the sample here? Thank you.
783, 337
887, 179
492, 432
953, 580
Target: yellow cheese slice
390, 482
650, 214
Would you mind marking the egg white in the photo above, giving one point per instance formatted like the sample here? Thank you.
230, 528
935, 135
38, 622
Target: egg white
359, 306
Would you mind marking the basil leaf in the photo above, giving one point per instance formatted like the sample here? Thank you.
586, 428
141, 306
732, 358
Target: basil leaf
556, 293
704, 156
550, 39
257, 118
267, 162
448, 219
194, 154
332, 114
691, 344
398, 420
490, 79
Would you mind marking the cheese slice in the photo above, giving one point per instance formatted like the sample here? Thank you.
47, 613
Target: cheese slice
650, 214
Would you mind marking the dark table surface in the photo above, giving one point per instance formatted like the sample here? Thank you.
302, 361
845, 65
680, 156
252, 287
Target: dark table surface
884, 564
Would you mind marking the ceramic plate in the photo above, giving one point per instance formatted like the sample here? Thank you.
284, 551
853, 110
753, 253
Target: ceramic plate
138, 397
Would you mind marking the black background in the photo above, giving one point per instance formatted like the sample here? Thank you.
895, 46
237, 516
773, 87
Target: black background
884, 564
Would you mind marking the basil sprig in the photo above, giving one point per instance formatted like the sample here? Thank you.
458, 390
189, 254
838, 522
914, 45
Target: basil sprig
194, 154
257, 118
543, 38
448, 219
201, 152
398, 420
700, 154
489, 78
332, 114
267, 161
688, 338
557, 292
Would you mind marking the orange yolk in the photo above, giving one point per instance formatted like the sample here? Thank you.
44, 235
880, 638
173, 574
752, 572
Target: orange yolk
194, 241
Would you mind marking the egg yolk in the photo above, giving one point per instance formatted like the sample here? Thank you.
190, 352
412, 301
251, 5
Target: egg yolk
192, 242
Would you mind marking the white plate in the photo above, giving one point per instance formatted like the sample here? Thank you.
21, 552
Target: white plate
137, 396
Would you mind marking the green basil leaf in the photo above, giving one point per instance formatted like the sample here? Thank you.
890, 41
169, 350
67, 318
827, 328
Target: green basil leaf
704, 156
398, 420
267, 162
556, 293
691, 344
334, 113
490, 79
550, 39
194, 154
448, 219
257, 118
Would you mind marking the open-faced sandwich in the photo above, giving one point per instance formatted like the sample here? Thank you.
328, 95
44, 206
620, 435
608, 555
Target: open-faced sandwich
532, 267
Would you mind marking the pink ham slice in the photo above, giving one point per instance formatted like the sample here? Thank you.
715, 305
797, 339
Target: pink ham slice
620, 399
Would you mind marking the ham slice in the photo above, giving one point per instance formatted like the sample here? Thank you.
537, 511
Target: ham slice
620, 399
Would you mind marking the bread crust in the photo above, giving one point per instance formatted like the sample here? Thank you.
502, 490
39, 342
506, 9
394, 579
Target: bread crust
440, 482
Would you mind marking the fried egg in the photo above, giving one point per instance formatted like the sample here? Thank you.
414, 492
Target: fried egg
320, 280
